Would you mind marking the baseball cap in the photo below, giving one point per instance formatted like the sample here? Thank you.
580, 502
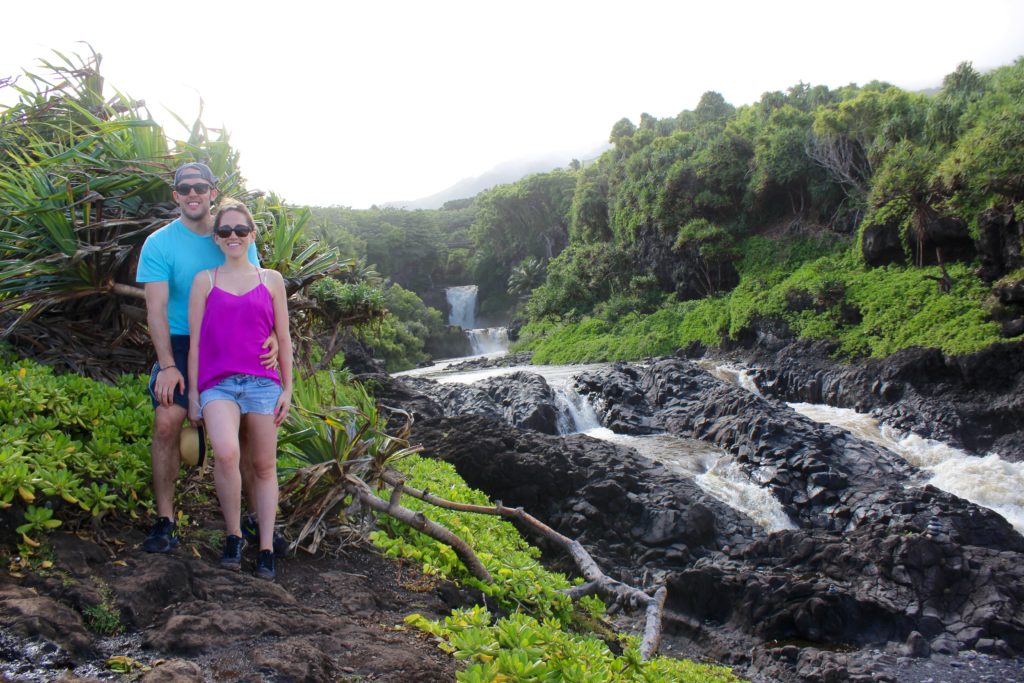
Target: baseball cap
194, 169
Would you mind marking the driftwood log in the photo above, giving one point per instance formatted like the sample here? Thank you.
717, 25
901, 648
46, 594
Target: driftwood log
597, 582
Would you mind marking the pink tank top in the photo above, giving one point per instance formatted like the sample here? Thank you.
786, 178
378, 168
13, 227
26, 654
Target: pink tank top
232, 333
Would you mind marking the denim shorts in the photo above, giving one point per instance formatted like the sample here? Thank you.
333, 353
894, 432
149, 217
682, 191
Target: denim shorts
252, 394
179, 346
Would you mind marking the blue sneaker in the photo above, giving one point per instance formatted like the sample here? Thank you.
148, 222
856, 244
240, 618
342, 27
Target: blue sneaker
162, 538
251, 532
232, 558
265, 565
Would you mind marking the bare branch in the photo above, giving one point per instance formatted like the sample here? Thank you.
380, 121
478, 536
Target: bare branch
418, 521
597, 581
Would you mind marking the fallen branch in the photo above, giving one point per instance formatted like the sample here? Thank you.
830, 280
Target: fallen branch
420, 522
597, 582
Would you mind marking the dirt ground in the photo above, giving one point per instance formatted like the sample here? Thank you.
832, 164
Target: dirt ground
334, 616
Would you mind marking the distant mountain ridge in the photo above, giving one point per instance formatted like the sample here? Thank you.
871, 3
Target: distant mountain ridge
503, 173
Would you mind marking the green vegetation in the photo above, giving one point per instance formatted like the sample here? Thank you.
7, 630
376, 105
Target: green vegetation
544, 637
704, 226
521, 648
868, 312
103, 619
71, 449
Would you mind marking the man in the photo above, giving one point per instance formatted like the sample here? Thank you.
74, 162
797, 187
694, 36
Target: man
170, 259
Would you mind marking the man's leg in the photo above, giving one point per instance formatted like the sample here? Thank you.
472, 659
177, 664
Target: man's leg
245, 465
166, 456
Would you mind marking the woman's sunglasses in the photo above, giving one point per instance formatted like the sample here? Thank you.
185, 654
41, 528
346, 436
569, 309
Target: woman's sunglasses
226, 230
184, 188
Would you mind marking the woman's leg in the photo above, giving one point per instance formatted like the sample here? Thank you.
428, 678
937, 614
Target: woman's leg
222, 419
262, 438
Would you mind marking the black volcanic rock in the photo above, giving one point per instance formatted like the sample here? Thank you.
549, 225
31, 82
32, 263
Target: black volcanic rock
974, 401
621, 505
878, 555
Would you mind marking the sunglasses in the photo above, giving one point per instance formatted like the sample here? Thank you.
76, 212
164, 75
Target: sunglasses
184, 188
226, 230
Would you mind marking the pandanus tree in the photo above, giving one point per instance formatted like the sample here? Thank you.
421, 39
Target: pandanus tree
84, 179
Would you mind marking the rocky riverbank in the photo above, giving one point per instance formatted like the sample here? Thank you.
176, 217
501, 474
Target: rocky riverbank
881, 570
975, 402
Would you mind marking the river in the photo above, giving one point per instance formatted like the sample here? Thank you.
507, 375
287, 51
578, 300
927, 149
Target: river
984, 479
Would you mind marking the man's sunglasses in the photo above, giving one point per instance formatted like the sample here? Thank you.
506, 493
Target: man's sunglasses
184, 188
226, 230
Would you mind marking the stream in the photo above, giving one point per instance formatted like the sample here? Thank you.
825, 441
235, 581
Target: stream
986, 480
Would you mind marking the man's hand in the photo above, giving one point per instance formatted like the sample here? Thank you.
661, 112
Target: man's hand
269, 359
284, 403
166, 380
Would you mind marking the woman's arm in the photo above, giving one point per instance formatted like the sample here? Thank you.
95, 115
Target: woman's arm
196, 310
284, 339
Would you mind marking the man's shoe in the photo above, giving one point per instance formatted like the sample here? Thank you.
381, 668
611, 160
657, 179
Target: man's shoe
232, 558
265, 565
251, 532
162, 538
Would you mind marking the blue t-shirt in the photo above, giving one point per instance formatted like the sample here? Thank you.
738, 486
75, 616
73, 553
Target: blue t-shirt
174, 254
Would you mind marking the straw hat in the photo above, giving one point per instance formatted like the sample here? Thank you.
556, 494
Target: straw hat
193, 446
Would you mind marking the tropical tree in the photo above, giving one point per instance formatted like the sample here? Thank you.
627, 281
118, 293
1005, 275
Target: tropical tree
526, 277
83, 180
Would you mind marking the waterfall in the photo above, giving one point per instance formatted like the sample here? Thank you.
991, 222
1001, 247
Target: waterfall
488, 340
462, 304
483, 340
575, 414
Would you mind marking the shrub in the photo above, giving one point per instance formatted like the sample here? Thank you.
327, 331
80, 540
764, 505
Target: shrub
72, 448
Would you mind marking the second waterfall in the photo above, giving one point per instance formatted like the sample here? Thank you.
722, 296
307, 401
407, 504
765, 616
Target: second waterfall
462, 312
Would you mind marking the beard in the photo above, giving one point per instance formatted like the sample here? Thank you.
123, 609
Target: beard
196, 214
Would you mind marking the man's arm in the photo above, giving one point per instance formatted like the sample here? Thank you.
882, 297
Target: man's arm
157, 296
196, 311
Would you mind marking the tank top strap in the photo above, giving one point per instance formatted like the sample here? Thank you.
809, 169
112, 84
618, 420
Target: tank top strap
212, 277
261, 272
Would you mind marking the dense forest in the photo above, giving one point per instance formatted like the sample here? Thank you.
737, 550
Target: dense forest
868, 214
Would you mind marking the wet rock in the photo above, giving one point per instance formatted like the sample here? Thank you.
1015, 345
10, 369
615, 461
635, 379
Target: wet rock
522, 399
917, 645
31, 615
621, 504
880, 557
173, 671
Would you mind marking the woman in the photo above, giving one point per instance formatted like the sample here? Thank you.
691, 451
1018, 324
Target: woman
232, 310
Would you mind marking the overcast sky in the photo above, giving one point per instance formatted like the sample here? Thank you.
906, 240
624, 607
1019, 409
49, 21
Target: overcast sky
360, 103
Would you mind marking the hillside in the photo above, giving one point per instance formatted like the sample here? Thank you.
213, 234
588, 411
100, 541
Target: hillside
502, 174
